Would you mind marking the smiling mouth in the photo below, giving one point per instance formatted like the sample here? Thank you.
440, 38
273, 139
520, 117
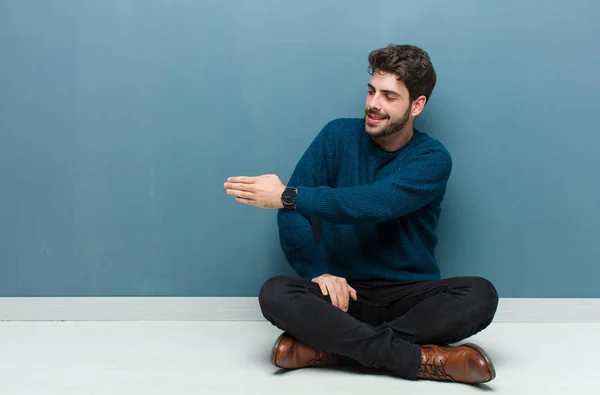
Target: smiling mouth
375, 118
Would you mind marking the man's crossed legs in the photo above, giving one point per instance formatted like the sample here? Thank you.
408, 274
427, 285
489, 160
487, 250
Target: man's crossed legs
401, 327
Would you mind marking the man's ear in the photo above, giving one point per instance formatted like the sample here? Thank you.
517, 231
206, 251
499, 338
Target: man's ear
418, 105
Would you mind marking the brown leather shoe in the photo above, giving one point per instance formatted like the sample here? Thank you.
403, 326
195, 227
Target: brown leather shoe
467, 363
290, 353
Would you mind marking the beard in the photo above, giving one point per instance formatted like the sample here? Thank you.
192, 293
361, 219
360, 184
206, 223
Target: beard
393, 126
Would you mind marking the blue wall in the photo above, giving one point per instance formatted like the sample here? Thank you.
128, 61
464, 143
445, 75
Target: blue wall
121, 119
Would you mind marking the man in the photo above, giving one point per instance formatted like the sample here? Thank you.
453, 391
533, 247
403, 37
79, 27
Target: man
357, 223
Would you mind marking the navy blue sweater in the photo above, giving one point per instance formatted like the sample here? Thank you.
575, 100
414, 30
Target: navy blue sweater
376, 211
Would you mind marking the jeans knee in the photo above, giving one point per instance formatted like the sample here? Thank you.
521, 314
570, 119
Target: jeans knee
272, 293
486, 295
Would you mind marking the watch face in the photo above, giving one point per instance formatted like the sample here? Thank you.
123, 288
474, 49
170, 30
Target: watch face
288, 197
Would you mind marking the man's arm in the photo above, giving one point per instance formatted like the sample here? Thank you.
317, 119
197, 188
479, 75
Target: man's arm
413, 186
303, 253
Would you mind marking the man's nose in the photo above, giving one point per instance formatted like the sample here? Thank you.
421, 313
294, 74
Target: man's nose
373, 103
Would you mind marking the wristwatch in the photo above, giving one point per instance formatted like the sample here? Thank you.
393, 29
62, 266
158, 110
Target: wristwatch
289, 197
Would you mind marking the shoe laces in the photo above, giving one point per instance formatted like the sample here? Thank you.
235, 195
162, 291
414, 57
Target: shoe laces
430, 368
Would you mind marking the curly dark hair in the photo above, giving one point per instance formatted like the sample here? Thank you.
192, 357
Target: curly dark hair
410, 64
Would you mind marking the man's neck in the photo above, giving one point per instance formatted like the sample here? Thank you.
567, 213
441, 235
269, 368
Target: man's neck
395, 141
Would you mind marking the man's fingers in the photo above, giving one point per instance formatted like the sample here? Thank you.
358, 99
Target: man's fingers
242, 179
239, 186
339, 287
323, 288
240, 194
353, 293
345, 296
333, 294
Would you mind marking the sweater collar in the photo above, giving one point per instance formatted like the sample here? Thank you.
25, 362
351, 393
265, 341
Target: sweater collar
378, 152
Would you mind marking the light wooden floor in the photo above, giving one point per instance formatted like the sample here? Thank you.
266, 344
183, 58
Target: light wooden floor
200, 358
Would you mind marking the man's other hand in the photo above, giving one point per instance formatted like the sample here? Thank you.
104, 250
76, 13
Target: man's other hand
338, 290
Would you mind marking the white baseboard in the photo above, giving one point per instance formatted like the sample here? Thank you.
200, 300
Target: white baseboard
510, 310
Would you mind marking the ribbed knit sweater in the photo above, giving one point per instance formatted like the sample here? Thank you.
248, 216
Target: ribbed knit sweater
376, 212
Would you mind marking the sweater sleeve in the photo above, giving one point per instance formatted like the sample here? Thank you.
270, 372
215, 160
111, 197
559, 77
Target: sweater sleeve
408, 189
304, 254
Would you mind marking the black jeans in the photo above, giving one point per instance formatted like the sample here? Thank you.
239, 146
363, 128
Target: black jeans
385, 327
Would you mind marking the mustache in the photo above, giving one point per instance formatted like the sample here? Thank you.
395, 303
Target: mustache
380, 114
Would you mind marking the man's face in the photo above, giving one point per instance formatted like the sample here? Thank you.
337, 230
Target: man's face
388, 106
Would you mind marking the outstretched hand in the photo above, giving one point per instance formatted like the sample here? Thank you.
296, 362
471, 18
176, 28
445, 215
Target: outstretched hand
263, 191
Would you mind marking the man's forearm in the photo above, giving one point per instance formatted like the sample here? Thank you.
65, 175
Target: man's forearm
402, 193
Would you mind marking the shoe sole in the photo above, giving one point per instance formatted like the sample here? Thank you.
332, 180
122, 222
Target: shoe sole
487, 358
275, 347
